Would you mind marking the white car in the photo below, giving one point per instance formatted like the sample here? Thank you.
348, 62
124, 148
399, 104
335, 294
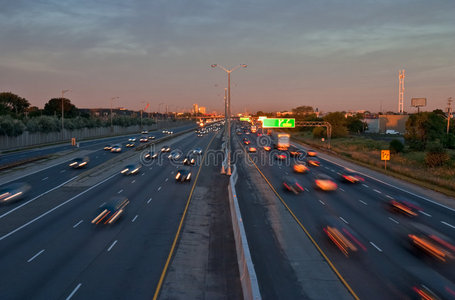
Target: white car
131, 139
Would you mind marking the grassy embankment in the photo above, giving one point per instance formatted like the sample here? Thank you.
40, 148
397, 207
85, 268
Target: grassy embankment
408, 165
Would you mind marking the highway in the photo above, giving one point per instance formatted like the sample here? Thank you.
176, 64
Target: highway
388, 268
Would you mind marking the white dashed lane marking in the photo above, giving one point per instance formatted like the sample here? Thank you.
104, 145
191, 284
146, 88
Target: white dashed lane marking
159, 189
45, 178
78, 223
134, 219
35, 256
393, 220
73, 292
377, 248
450, 225
149, 200
119, 191
363, 202
113, 244
322, 202
365, 185
344, 220
377, 191
424, 213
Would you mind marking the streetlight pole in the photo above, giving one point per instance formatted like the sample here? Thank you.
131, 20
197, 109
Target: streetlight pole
112, 128
229, 71
63, 127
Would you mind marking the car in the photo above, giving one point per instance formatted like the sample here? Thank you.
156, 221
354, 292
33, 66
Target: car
391, 131
130, 145
111, 211
131, 139
175, 154
143, 140
13, 192
108, 147
342, 236
300, 167
291, 184
350, 176
295, 152
116, 148
280, 156
151, 137
313, 161
144, 132
252, 149
246, 142
132, 169
188, 160
183, 175
403, 206
150, 155
197, 151
165, 149
325, 182
79, 162
267, 148
312, 153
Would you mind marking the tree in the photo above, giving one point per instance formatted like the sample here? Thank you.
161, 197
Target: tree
355, 123
303, 110
10, 126
54, 107
12, 104
338, 122
396, 146
423, 128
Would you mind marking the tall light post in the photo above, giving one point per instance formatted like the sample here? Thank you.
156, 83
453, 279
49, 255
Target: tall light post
113, 98
229, 71
63, 127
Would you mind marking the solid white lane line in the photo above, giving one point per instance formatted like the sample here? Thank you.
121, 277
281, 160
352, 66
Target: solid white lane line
450, 225
57, 207
78, 223
35, 256
424, 213
45, 178
363, 202
393, 220
377, 248
120, 191
101, 205
344, 220
341, 190
25, 203
166, 179
73, 292
365, 185
379, 192
159, 189
113, 244
322, 202
150, 200
390, 197
133, 181
134, 219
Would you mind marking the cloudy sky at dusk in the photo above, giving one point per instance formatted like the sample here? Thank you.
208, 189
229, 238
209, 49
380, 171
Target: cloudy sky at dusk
334, 55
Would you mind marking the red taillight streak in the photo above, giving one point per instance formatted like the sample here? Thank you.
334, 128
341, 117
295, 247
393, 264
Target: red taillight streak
442, 242
355, 240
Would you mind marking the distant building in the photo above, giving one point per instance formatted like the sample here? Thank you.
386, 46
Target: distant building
195, 109
284, 113
202, 110
382, 123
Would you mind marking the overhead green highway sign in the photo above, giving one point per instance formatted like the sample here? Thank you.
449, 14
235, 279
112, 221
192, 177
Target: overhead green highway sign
278, 123
247, 119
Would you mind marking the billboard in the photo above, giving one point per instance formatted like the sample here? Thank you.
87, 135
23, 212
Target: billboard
418, 102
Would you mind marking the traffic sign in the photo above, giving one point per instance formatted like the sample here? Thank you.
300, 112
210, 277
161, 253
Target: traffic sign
246, 119
385, 154
278, 123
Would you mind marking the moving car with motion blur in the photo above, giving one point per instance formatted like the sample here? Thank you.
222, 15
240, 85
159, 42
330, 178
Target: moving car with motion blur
143, 140
165, 149
280, 156
197, 151
350, 176
313, 161
324, 182
246, 141
132, 139
300, 167
252, 149
183, 175
175, 155
150, 155
295, 152
291, 184
151, 137
13, 192
79, 162
132, 169
189, 160
116, 148
130, 145
111, 211
267, 148
403, 206
343, 236
108, 147
312, 153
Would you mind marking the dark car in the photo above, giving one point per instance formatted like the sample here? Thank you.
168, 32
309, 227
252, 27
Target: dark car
175, 155
344, 237
131, 169
150, 155
111, 211
130, 145
291, 184
189, 160
13, 192
143, 140
350, 176
403, 206
165, 149
79, 162
183, 175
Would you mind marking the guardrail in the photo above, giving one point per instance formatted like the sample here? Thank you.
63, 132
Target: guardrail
248, 277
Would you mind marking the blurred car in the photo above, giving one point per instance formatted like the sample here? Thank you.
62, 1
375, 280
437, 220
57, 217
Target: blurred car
130, 145
13, 192
131, 169
79, 162
150, 155
188, 160
325, 182
111, 211
151, 137
343, 236
429, 288
295, 152
144, 132
108, 147
165, 149
267, 148
197, 151
174, 155
403, 206
143, 140
132, 139
116, 148
183, 175
313, 162
252, 149
431, 242
350, 176
291, 184
312, 153
300, 167
246, 141
280, 156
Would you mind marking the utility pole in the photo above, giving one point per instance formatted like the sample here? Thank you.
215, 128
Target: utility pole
449, 112
63, 127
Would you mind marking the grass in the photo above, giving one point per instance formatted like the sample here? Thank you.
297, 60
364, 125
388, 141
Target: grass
408, 165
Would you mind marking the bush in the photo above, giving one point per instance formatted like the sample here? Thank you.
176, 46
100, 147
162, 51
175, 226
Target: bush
318, 132
396, 146
10, 126
436, 155
44, 124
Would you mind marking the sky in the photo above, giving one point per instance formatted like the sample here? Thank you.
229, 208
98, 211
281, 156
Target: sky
330, 54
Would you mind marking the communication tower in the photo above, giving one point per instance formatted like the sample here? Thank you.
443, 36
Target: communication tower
400, 91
